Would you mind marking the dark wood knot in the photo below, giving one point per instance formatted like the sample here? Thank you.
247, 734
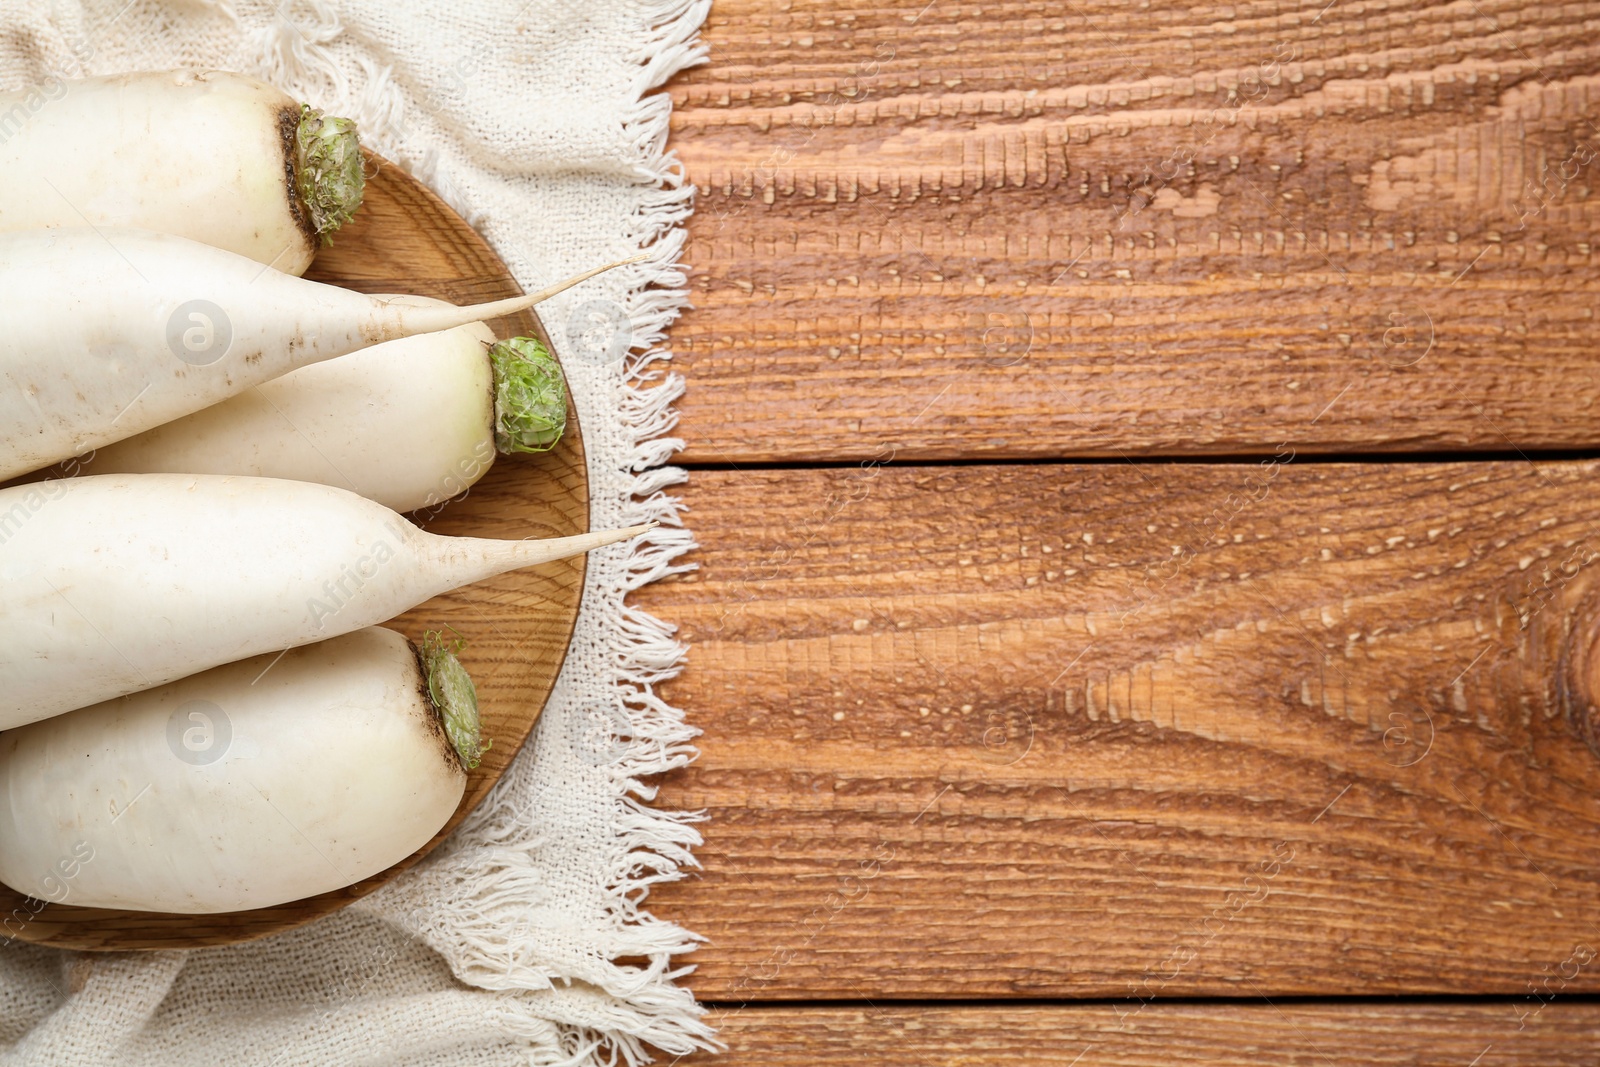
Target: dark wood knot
1578, 672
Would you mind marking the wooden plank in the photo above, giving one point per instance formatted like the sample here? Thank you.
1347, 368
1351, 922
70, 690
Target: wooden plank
1042, 230
1226, 1035
1157, 730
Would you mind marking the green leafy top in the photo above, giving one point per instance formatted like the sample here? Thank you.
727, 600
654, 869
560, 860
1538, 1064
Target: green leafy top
530, 396
455, 697
328, 174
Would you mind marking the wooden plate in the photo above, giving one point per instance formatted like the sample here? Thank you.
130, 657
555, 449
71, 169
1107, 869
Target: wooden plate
517, 626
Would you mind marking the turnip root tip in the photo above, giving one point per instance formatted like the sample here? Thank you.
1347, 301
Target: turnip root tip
433, 319
514, 555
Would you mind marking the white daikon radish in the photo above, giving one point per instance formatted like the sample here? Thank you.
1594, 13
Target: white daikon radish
408, 423
107, 333
114, 584
246, 786
216, 157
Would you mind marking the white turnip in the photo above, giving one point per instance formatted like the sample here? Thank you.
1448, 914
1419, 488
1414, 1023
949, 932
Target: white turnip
245, 786
408, 423
117, 583
108, 333
217, 157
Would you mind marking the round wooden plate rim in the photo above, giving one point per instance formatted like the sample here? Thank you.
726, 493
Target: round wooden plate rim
107, 929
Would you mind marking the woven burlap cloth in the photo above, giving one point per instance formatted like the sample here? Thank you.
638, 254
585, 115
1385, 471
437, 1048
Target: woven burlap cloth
539, 121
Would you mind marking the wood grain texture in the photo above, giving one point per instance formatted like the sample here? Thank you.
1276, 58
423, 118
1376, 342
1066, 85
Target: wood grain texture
1141, 731
1035, 229
1362, 1034
516, 627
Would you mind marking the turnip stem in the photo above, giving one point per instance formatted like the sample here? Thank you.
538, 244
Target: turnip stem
530, 396
328, 173
415, 320
455, 698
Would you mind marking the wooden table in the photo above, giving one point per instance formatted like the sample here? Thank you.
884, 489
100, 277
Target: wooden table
1142, 457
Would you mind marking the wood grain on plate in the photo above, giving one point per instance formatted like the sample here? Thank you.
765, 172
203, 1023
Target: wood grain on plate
1036, 229
1359, 1034
1121, 730
517, 626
